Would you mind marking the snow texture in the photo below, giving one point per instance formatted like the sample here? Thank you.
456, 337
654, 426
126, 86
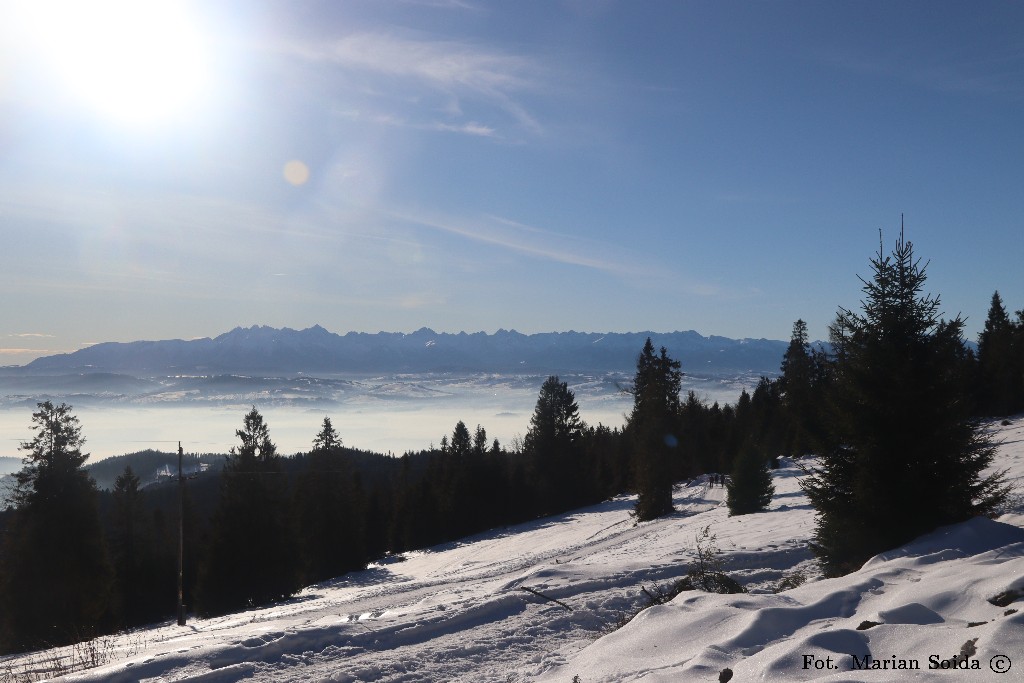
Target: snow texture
459, 612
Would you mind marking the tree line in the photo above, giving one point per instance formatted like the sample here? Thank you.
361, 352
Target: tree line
891, 406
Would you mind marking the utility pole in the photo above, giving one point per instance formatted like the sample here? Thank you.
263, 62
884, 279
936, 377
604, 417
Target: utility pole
181, 540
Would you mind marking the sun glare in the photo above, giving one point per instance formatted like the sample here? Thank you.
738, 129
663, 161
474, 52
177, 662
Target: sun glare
137, 62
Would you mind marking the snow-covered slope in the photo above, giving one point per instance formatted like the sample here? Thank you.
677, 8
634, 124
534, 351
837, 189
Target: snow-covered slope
460, 612
906, 610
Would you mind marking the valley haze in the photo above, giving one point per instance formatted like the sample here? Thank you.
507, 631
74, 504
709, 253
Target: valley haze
386, 392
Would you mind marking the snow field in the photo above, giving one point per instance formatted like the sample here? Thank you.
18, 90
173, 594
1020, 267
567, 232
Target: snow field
929, 601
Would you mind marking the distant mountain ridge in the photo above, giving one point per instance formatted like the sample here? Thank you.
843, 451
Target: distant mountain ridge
270, 351
9, 465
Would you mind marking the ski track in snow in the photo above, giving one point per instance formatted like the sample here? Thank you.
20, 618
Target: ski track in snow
458, 612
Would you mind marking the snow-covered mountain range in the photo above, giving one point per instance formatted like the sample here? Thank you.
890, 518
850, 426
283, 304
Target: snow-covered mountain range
434, 379
269, 351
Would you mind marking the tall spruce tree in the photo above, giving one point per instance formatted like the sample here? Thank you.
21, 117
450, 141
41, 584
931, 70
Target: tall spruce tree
55, 576
750, 488
801, 394
252, 557
553, 446
329, 510
910, 458
653, 429
462, 442
479, 440
1000, 358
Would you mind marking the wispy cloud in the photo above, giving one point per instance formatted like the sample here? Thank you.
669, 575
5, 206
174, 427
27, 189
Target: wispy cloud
469, 128
456, 70
23, 352
38, 335
446, 64
537, 242
531, 241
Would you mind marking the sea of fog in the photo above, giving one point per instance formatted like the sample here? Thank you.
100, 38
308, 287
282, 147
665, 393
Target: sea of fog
385, 414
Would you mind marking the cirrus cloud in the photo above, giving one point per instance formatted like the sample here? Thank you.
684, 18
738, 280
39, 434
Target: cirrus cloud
418, 67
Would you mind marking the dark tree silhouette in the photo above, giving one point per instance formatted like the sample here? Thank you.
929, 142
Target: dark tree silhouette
802, 390
329, 510
462, 442
749, 488
552, 445
327, 439
910, 457
252, 558
653, 429
1000, 363
144, 576
55, 576
480, 441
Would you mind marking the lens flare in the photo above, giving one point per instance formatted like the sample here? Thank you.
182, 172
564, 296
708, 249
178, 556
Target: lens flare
296, 172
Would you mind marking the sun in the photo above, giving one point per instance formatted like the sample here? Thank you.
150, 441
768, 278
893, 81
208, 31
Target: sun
132, 61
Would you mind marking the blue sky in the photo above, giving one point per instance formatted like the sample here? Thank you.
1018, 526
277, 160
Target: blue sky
543, 166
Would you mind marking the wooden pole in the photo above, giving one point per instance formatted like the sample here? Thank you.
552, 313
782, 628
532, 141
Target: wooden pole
181, 541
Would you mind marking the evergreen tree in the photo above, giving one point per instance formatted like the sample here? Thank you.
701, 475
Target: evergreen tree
695, 453
749, 488
552, 445
328, 509
134, 558
461, 443
741, 431
801, 395
327, 439
55, 576
446, 490
910, 457
1017, 368
1001, 381
556, 415
480, 441
768, 424
474, 489
252, 555
797, 368
653, 428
